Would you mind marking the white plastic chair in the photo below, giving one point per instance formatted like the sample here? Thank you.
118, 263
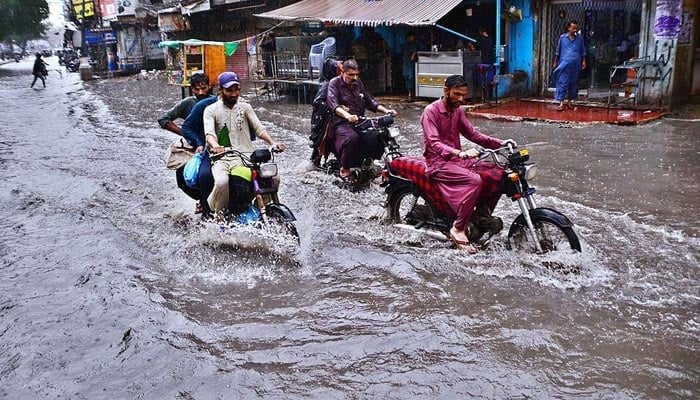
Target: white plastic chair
318, 54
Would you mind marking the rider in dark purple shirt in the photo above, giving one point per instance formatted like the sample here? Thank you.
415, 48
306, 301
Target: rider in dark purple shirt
348, 99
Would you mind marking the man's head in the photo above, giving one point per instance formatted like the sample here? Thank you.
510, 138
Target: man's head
229, 88
351, 71
572, 27
199, 83
455, 91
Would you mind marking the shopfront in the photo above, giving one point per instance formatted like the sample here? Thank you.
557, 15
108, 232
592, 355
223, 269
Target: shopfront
611, 30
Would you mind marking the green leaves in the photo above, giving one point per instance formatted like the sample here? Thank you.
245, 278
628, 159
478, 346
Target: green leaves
22, 19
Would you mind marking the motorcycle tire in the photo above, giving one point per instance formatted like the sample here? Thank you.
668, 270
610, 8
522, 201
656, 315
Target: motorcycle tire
551, 234
407, 207
287, 227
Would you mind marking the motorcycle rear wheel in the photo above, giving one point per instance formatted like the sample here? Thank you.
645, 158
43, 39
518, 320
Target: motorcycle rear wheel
276, 218
551, 235
405, 207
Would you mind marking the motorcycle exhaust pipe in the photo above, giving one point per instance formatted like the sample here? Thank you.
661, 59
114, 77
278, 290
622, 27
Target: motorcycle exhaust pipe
428, 232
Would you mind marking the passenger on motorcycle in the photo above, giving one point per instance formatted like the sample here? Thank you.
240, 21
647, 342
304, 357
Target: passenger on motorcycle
463, 183
348, 99
228, 122
193, 131
199, 83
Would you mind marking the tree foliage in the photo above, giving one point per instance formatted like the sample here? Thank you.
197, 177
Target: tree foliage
22, 20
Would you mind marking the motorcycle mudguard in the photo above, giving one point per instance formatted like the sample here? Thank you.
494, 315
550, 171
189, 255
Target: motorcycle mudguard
542, 213
282, 210
397, 184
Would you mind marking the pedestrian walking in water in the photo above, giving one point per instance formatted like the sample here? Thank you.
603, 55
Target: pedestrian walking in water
571, 51
39, 70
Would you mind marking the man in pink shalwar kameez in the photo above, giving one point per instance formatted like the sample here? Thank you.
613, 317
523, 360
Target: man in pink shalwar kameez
451, 169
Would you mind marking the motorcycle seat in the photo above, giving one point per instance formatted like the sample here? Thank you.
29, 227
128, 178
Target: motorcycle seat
414, 170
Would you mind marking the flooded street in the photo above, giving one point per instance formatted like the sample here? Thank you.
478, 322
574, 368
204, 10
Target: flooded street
113, 289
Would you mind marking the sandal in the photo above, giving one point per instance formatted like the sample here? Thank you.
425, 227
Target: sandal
463, 245
560, 108
198, 209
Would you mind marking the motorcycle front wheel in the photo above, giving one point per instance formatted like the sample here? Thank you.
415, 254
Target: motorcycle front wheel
278, 220
407, 207
551, 235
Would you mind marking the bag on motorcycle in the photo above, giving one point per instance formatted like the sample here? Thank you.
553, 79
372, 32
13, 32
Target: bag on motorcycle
240, 193
192, 170
178, 154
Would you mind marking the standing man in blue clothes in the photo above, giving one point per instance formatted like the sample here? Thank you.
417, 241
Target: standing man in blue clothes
571, 51
409, 56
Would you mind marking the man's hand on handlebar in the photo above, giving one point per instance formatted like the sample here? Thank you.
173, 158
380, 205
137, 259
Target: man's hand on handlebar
471, 153
279, 146
509, 141
217, 149
353, 118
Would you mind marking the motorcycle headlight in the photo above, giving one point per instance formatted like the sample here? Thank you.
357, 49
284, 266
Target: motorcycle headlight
268, 170
530, 171
394, 132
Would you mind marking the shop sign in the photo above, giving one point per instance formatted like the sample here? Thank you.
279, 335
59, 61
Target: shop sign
83, 8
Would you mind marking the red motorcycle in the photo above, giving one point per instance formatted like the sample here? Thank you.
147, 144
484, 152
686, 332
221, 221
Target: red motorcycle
415, 204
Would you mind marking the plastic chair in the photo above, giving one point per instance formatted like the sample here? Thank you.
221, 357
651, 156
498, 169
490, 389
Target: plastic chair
315, 58
318, 54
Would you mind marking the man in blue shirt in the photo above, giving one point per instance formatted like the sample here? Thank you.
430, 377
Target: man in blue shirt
571, 51
193, 131
199, 83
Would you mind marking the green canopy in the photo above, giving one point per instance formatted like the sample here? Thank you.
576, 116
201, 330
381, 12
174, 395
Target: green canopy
229, 47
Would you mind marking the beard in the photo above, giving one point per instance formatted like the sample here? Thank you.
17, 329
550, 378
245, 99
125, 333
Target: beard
230, 101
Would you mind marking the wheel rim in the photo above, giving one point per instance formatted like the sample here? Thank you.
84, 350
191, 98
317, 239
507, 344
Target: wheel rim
550, 236
409, 208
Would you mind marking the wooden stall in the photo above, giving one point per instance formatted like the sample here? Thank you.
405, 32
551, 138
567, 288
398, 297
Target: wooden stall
184, 58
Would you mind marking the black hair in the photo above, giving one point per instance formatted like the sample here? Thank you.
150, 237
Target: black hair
573, 21
455, 81
198, 78
350, 63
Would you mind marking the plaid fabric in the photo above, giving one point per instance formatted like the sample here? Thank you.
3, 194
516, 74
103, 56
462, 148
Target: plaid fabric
413, 169
491, 177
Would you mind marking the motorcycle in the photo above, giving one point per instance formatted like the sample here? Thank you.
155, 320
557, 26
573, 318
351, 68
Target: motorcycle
414, 204
73, 64
372, 130
253, 192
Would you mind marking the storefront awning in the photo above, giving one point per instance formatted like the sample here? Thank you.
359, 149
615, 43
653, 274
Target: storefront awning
229, 47
365, 12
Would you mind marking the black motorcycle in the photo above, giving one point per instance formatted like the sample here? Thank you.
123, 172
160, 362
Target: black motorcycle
73, 64
374, 132
253, 198
413, 203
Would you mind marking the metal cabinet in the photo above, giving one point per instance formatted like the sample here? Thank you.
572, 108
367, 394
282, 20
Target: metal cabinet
432, 68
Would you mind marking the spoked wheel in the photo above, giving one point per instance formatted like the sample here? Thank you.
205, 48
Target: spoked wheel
279, 223
551, 236
406, 207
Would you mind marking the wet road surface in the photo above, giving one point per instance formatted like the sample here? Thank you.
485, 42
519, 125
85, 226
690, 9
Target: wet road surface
111, 287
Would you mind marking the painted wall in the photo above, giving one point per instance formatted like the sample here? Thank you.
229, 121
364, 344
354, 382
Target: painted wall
669, 37
522, 41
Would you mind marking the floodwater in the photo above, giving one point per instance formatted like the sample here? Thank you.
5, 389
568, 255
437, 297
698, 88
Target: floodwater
112, 289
